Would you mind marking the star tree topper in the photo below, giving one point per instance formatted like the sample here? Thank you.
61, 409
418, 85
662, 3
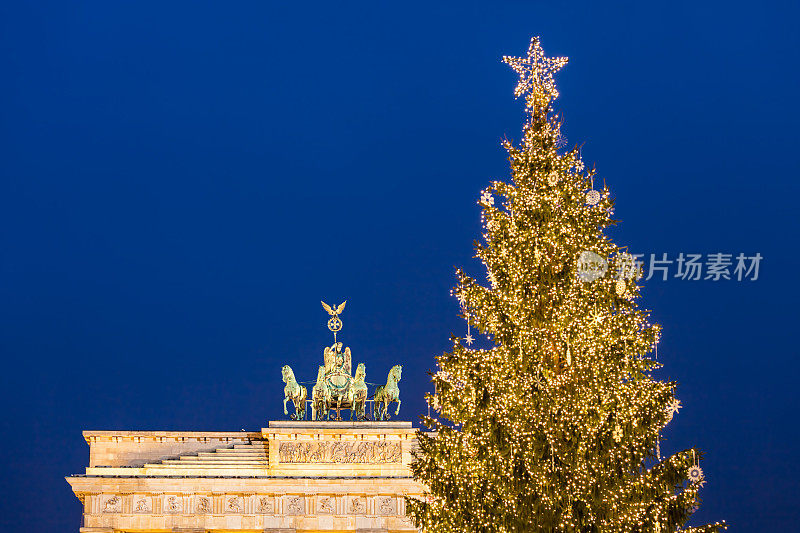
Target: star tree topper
536, 76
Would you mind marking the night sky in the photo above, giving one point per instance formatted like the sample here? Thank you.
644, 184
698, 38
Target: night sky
182, 183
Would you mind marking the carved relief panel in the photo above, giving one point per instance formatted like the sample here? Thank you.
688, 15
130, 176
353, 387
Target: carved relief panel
364, 452
234, 504
172, 504
326, 504
142, 504
264, 504
111, 503
356, 505
294, 505
202, 504
386, 505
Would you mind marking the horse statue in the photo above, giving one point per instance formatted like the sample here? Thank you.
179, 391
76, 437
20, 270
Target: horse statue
386, 394
295, 392
318, 393
358, 394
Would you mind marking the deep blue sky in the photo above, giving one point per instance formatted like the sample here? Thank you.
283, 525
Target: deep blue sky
181, 183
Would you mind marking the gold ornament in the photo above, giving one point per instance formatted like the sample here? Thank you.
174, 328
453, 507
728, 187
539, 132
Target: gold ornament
620, 287
617, 434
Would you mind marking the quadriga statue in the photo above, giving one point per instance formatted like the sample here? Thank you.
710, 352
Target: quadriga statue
336, 389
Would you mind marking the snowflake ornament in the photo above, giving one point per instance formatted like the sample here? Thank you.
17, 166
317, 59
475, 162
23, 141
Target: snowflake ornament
695, 474
487, 198
617, 434
592, 197
553, 178
672, 408
469, 339
462, 299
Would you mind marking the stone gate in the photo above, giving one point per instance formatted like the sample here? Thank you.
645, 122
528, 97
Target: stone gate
292, 476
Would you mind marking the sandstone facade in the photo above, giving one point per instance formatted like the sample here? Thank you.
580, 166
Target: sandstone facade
290, 476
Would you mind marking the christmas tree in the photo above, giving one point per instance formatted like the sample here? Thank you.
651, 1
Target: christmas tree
556, 426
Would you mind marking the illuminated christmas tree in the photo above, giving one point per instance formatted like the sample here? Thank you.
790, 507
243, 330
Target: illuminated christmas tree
556, 426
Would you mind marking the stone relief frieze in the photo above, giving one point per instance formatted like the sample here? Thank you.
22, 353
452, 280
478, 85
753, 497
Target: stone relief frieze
356, 505
111, 504
294, 505
265, 504
234, 504
368, 452
142, 504
172, 504
386, 505
202, 505
325, 504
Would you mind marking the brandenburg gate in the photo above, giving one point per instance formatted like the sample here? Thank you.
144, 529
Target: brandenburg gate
323, 474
